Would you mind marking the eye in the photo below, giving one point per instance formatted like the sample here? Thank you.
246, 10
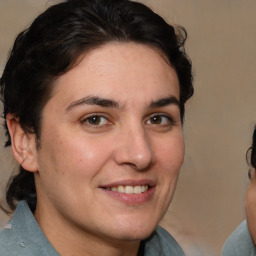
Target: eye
160, 119
95, 120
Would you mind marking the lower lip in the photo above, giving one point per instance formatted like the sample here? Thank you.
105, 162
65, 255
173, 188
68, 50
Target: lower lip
131, 199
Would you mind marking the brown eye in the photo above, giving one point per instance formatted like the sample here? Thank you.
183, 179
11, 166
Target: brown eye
95, 120
156, 120
159, 120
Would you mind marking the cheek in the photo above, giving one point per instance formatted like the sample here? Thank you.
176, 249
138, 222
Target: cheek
73, 156
88, 153
68, 167
171, 154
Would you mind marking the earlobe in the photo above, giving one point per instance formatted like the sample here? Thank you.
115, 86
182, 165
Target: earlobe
23, 144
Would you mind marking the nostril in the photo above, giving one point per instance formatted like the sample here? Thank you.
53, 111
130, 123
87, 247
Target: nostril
132, 165
139, 166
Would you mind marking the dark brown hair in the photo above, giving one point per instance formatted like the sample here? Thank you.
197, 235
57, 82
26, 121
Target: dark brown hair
251, 153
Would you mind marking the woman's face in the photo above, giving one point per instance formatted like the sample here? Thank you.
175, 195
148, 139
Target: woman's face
111, 144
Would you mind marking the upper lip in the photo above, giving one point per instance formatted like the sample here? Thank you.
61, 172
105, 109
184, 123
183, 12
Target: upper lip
130, 182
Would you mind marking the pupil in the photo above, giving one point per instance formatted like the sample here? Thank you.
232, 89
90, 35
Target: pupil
156, 119
95, 120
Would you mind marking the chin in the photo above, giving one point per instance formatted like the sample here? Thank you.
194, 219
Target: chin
135, 232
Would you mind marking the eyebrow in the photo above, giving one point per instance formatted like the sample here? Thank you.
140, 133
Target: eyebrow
171, 100
110, 103
93, 100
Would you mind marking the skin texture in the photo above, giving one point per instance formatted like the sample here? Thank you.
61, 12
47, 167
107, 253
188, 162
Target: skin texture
136, 138
250, 206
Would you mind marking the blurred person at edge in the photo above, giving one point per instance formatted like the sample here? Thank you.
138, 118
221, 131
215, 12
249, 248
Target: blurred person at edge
94, 95
243, 240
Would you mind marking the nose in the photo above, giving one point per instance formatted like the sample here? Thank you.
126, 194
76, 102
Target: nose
134, 148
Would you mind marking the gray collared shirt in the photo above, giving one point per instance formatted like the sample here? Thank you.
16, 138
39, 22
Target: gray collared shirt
239, 243
24, 237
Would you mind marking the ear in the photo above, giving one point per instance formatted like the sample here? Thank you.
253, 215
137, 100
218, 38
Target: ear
23, 144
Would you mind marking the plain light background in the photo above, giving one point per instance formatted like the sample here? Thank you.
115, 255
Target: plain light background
208, 203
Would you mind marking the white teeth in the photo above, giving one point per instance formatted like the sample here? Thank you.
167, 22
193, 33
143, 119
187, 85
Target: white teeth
144, 188
120, 189
137, 189
129, 189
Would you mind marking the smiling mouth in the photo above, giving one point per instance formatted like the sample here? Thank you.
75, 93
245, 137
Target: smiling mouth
129, 189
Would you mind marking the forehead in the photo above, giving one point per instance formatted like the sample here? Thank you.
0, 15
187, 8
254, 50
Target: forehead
119, 69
